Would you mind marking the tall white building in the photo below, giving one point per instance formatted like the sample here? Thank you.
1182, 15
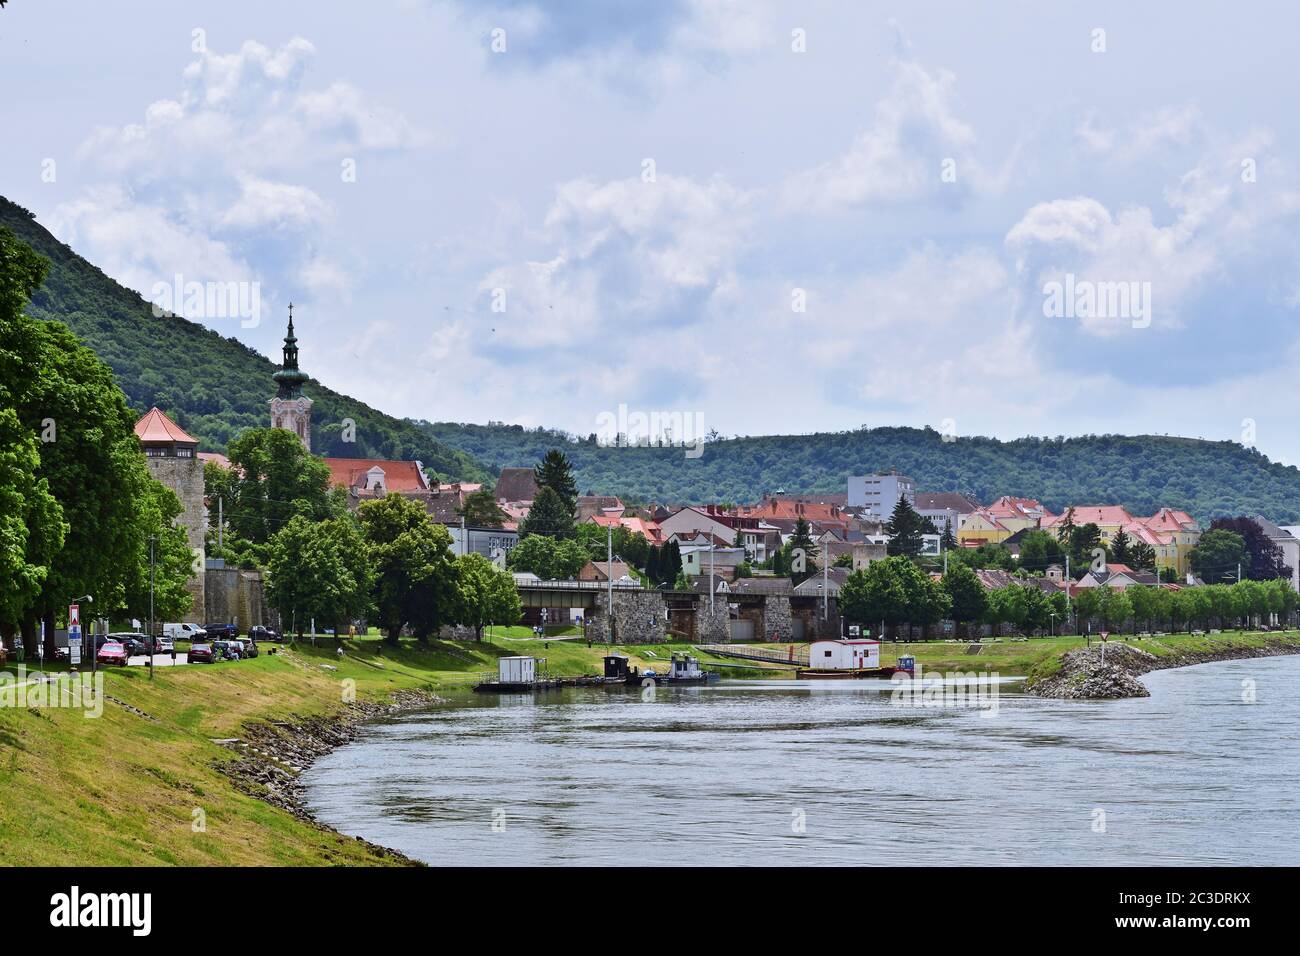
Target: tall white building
879, 493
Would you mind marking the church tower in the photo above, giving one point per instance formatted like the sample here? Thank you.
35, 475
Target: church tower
290, 408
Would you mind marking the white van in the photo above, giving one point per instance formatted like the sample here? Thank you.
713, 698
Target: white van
183, 632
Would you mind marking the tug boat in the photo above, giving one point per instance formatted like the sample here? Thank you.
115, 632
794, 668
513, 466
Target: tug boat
683, 670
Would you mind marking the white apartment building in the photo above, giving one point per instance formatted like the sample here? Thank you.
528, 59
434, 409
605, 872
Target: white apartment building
879, 493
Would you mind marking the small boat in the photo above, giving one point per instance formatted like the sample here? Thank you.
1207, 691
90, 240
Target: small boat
683, 670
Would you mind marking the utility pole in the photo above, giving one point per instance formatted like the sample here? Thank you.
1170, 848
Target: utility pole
1067, 589
712, 546
221, 524
1238, 572
609, 577
149, 644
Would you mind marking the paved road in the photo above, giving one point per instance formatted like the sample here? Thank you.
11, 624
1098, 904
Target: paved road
159, 660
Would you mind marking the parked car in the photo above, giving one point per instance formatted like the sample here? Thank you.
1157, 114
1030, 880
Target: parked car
184, 632
199, 654
225, 651
220, 632
248, 647
133, 642
158, 645
259, 633
112, 653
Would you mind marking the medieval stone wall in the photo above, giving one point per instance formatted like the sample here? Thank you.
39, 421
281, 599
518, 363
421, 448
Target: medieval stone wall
777, 621
638, 617
713, 628
239, 597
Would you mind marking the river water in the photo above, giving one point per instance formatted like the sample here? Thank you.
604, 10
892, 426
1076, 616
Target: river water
835, 773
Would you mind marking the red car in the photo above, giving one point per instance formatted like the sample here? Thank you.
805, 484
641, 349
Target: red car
112, 653
199, 654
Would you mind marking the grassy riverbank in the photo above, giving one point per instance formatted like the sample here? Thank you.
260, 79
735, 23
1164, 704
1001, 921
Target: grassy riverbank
123, 789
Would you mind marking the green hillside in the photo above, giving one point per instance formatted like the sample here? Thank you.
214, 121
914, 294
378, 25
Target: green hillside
215, 386
212, 386
1144, 472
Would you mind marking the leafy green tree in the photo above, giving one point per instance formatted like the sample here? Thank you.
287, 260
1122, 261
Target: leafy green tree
1217, 555
549, 515
95, 471
985, 556
32, 529
892, 592
318, 570
570, 558
1087, 605
1039, 550
412, 561
484, 594
905, 529
534, 555
480, 510
156, 531
273, 479
555, 472
1115, 608
1263, 560
967, 597
1148, 605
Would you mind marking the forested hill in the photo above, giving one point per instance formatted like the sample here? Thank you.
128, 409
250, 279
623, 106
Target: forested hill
215, 386
212, 386
1143, 473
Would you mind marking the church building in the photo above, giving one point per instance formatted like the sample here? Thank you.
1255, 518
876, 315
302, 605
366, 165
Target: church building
290, 408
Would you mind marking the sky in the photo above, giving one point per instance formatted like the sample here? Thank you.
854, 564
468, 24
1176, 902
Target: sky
1004, 218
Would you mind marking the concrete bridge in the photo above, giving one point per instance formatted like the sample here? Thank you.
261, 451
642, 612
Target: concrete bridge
644, 615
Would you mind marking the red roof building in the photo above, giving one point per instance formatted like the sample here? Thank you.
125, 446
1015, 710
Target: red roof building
376, 477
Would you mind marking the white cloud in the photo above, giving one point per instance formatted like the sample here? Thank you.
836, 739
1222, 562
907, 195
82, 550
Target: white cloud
900, 157
142, 245
627, 248
263, 203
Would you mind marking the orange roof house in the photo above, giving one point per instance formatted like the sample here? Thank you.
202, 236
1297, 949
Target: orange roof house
377, 477
647, 529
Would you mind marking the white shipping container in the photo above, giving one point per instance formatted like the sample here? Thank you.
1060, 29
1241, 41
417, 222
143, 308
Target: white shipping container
843, 655
517, 670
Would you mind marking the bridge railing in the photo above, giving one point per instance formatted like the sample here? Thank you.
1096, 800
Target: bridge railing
579, 586
793, 654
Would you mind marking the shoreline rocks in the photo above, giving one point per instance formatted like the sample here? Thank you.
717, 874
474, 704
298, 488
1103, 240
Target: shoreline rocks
272, 755
1083, 676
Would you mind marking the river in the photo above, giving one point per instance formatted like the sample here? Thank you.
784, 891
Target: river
800, 773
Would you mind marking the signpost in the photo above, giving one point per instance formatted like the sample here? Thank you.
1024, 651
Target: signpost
1104, 635
74, 634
